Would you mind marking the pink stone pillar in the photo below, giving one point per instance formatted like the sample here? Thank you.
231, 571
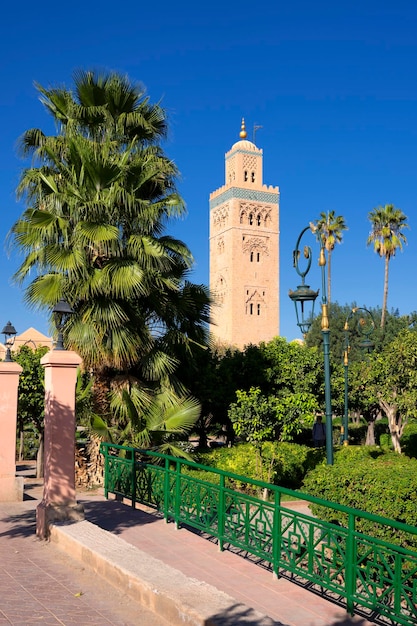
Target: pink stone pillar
59, 502
11, 486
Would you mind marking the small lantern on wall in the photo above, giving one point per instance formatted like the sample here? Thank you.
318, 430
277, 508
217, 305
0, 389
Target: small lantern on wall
9, 333
61, 312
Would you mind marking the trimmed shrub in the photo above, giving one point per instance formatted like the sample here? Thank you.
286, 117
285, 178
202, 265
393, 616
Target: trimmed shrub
283, 464
368, 479
409, 440
203, 475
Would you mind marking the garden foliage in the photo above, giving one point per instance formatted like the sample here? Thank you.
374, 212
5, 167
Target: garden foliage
284, 464
369, 479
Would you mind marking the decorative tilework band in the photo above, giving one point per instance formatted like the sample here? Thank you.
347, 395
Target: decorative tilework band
244, 194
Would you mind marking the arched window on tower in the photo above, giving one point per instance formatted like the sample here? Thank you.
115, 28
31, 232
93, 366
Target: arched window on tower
251, 257
258, 307
245, 175
258, 220
251, 308
258, 257
250, 219
253, 177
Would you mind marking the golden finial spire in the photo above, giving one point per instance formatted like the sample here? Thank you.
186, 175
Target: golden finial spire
243, 133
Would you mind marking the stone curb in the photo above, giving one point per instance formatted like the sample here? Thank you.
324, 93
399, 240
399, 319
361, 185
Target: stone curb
160, 588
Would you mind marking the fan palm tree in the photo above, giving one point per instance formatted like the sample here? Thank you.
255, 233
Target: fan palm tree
101, 105
162, 425
387, 237
98, 202
329, 228
99, 195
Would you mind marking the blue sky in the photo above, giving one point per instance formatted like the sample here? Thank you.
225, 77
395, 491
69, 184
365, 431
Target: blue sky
333, 85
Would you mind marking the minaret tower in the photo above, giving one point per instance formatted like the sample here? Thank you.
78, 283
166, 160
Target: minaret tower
244, 251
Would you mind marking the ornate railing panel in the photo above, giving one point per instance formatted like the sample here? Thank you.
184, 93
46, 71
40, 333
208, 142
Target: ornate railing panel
386, 579
367, 572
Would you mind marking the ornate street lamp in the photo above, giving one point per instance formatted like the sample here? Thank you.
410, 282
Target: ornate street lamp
366, 327
9, 333
301, 296
61, 313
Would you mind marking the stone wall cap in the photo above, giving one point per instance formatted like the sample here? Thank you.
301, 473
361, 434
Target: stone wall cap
61, 358
10, 367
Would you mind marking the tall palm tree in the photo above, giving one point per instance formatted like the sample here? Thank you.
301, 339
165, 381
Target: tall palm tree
99, 195
329, 228
387, 237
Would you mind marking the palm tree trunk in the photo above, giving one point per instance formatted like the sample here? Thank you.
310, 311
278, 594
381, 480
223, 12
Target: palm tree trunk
329, 275
385, 298
21, 445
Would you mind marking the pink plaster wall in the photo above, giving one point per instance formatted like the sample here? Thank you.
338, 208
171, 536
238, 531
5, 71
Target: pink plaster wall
11, 488
59, 469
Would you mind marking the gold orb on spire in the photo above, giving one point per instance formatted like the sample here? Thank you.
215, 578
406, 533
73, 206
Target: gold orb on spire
243, 133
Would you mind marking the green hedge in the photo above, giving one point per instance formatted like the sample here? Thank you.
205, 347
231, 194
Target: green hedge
369, 479
409, 440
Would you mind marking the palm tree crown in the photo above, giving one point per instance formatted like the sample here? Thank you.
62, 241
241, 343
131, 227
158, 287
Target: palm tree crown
99, 195
387, 237
329, 228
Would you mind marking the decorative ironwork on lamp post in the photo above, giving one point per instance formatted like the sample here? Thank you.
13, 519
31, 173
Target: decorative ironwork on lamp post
366, 327
302, 297
9, 333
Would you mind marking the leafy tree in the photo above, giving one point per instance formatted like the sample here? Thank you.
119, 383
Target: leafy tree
362, 398
254, 416
292, 390
276, 368
99, 196
214, 377
328, 229
393, 381
338, 314
291, 367
31, 398
387, 237
259, 419
294, 374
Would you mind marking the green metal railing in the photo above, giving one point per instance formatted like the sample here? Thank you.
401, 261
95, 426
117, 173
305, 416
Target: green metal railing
365, 571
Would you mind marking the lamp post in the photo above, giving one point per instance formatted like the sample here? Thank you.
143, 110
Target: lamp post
61, 312
9, 333
303, 296
366, 327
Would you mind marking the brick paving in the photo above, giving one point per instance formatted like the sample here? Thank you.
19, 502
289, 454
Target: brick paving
39, 584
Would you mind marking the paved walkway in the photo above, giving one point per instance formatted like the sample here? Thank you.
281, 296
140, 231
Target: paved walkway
41, 585
242, 578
